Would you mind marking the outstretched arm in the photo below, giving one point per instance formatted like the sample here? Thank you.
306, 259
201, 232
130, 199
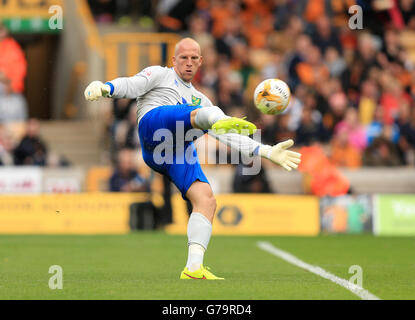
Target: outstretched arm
125, 87
278, 153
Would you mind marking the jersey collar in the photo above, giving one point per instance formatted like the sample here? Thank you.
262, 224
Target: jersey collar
186, 84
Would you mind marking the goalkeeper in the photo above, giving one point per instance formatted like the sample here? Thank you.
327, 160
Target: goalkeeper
166, 99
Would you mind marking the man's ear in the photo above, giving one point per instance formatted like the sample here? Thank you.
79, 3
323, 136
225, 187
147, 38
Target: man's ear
200, 61
173, 59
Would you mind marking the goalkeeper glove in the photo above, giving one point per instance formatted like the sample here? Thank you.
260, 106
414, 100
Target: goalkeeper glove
96, 90
278, 154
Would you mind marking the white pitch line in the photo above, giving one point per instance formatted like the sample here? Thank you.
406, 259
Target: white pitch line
359, 291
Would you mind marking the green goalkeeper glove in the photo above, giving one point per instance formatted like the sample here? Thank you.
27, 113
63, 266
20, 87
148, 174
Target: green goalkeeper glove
278, 154
96, 90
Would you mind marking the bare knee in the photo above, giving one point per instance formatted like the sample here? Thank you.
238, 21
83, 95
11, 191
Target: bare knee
203, 201
212, 204
209, 202
206, 205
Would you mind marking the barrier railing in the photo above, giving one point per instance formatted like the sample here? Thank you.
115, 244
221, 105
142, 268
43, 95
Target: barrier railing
137, 50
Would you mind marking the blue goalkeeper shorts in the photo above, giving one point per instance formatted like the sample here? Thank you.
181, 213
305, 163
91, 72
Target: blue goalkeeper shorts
165, 151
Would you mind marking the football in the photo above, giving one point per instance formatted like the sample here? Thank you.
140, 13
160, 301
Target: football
272, 96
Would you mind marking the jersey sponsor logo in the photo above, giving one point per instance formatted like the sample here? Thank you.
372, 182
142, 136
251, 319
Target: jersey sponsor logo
195, 101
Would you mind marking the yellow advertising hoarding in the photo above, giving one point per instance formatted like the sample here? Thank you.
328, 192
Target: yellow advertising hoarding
256, 214
82, 213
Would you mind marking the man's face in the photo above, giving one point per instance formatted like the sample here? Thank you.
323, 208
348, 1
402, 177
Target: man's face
33, 128
187, 61
125, 161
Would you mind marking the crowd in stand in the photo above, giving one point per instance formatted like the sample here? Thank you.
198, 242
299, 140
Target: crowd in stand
352, 90
22, 145
20, 141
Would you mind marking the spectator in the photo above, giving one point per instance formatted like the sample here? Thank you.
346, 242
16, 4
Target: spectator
222, 12
13, 107
173, 14
340, 11
325, 35
302, 46
381, 153
124, 126
208, 75
337, 109
368, 46
12, 63
269, 129
275, 68
283, 132
406, 124
407, 10
335, 62
376, 14
198, 30
392, 97
368, 101
311, 129
295, 110
352, 77
228, 87
12, 74
245, 183
257, 21
241, 62
121, 108
314, 10
312, 70
31, 150
376, 128
355, 132
392, 49
283, 14
232, 35
343, 152
125, 177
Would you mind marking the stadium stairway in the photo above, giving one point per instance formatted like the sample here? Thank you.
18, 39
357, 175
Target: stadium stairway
78, 141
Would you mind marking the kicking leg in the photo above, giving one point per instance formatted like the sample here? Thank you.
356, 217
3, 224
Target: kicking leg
233, 132
213, 118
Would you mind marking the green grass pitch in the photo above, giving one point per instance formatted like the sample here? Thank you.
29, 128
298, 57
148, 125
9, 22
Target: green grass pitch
147, 266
